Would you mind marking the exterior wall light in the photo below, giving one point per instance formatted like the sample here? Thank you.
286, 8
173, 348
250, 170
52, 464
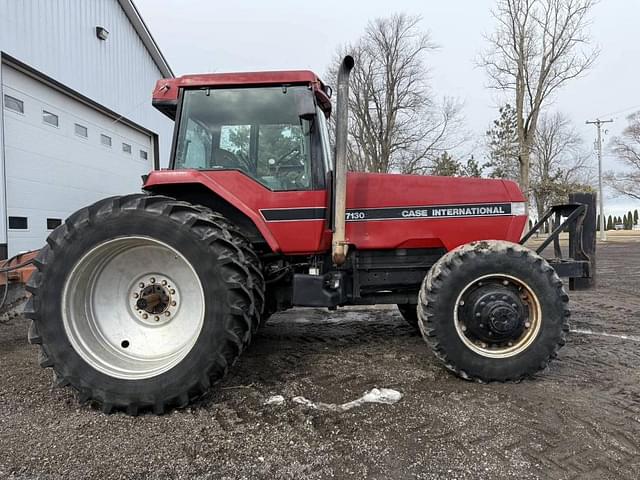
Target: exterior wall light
102, 33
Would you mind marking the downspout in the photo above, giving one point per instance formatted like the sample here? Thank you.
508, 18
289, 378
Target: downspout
339, 244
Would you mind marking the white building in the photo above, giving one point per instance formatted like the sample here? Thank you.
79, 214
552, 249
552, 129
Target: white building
76, 122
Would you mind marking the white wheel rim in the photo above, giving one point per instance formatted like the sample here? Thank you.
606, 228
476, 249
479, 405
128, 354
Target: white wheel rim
517, 345
104, 321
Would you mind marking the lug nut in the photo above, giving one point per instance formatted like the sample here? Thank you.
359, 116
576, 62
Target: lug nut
492, 297
167, 313
152, 280
135, 295
461, 303
164, 282
145, 316
173, 304
527, 324
513, 305
172, 291
141, 285
505, 282
463, 328
482, 304
156, 318
478, 314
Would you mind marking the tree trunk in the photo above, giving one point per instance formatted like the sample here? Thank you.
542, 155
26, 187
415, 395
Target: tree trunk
541, 201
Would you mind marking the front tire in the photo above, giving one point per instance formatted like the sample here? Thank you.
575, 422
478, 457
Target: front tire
141, 303
493, 311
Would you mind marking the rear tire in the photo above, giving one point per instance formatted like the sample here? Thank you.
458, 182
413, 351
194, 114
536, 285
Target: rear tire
124, 355
493, 311
252, 262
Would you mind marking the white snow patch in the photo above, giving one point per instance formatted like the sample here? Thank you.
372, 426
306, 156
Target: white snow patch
274, 400
604, 334
377, 395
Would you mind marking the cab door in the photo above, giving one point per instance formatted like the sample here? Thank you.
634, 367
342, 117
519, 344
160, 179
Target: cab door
265, 152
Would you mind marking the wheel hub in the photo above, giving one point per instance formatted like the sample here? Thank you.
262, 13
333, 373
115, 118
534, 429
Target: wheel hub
504, 319
154, 299
494, 313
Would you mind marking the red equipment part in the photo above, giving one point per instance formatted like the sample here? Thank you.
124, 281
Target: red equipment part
383, 211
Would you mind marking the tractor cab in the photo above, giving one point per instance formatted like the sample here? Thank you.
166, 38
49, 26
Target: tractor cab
271, 127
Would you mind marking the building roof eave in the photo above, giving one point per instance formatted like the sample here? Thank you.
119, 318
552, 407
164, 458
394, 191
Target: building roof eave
145, 35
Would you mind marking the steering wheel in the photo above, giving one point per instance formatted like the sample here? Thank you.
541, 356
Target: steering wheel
292, 174
228, 159
288, 154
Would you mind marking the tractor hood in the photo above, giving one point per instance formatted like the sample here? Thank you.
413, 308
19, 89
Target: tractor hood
409, 211
373, 190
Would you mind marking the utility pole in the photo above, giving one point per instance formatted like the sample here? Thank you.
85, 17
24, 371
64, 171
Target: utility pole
598, 123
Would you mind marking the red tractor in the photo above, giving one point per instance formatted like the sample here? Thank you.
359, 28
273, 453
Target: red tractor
142, 302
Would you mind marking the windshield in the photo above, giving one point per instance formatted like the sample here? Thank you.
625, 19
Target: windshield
255, 130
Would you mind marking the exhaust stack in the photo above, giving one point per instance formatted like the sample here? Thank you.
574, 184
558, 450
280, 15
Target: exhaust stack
339, 245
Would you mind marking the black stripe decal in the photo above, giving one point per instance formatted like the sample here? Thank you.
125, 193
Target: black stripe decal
391, 213
430, 211
293, 214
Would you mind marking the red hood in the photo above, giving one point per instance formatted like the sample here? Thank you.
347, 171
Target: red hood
390, 190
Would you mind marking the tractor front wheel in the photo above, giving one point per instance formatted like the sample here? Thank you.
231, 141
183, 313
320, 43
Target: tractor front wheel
493, 311
142, 302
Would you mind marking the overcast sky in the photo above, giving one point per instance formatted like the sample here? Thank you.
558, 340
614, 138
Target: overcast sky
204, 36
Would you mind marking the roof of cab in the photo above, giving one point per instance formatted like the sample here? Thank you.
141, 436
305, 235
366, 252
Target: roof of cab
165, 94
167, 89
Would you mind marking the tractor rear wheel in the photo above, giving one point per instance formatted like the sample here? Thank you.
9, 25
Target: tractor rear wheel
252, 261
141, 303
493, 311
410, 313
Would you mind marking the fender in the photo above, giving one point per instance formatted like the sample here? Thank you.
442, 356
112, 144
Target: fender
184, 177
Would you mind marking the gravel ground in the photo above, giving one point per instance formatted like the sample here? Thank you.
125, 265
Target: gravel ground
579, 419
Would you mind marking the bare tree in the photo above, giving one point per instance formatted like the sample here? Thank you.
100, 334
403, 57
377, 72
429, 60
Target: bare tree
627, 149
559, 163
537, 47
395, 123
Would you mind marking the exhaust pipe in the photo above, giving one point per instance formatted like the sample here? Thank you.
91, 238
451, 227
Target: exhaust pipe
339, 245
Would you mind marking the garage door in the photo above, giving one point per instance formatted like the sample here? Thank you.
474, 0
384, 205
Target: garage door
60, 155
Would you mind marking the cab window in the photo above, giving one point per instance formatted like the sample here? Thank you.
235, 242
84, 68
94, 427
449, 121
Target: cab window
255, 130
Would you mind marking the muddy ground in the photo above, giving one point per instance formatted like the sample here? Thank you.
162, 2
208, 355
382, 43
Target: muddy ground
580, 419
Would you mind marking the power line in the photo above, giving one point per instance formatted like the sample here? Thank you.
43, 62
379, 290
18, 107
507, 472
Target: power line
610, 114
598, 123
